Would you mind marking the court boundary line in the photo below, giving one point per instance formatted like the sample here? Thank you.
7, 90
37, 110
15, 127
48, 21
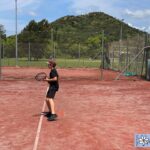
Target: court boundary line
39, 129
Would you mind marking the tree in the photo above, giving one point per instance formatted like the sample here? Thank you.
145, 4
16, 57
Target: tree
10, 47
2, 32
38, 35
2, 38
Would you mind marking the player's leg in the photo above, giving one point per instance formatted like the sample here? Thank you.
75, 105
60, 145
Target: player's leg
47, 102
50, 96
49, 108
53, 114
52, 105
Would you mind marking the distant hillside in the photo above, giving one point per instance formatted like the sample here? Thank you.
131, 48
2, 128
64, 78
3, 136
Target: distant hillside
71, 33
92, 24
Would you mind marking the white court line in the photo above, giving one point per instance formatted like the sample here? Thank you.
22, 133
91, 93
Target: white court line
38, 129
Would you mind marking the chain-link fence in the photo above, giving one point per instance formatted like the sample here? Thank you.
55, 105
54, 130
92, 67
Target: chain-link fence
121, 54
73, 49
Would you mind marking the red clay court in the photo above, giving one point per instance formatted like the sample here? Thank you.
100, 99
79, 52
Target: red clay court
93, 114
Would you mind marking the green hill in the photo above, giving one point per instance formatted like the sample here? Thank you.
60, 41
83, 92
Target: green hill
69, 33
92, 24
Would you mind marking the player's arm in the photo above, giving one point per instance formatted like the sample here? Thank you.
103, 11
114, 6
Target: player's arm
52, 79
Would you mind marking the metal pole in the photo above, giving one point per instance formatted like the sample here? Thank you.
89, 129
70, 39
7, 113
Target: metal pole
112, 64
79, 52
103, 49
54, 52
120, 45
127, 54
102, 57
16, 35
29, 52
52, 42
3, 50
0, 60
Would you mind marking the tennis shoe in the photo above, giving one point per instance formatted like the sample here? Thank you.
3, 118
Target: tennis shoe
52, 117
48, 114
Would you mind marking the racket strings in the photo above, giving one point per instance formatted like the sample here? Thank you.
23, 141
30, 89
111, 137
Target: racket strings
40, 76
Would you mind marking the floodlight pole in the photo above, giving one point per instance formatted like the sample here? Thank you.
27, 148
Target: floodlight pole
102, 56
29, 52
120, 44
0, 59
16, 35
52, 41
79, 49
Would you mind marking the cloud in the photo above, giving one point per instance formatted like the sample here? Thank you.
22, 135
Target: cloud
142, 28
32, 13
138, 13
7, 5
10, 25
86, 6
28, 9
148, 29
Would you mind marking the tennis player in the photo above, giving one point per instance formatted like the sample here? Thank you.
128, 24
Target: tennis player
52, 89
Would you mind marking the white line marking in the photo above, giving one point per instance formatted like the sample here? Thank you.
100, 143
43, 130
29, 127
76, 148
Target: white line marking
38, 129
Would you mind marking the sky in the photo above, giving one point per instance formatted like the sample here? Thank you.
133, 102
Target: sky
136, 13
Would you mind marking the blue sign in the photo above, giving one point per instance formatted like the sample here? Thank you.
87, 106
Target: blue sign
142, 140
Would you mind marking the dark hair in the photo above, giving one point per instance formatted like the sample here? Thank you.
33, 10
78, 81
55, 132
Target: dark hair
52, 63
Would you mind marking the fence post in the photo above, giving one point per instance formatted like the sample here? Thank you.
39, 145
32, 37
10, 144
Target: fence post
102, 56
120, 45
0, 59
16, 33
29, 52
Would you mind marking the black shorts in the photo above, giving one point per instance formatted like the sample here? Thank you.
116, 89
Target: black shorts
51, 93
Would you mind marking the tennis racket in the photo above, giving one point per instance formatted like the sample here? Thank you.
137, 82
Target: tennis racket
40, 76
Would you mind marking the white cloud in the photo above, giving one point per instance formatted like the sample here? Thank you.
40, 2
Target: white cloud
130, 24
138, 13
10, 25
148, 29
142, 28
86, 6
26, 8
32, 13
7, 5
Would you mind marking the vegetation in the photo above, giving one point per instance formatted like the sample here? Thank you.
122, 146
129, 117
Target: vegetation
61, 63
68, 35
2, 32
2, 38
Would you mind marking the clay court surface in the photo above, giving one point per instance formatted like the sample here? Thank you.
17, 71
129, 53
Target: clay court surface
92, 114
